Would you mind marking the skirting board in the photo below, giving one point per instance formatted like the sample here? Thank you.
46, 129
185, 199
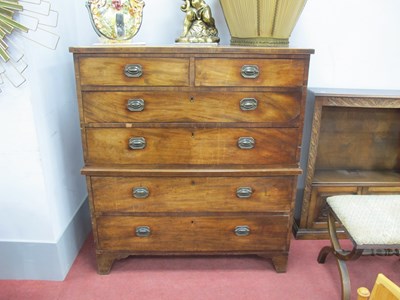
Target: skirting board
46, 261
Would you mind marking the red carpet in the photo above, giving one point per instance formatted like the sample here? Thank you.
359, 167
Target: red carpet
232, 277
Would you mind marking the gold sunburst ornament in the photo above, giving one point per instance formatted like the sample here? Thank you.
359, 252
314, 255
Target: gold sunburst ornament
21, 22
8, 24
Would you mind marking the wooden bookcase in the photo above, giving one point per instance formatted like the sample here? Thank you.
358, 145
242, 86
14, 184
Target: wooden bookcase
354, 149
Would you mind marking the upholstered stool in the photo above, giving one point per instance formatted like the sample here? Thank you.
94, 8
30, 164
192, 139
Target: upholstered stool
372, 223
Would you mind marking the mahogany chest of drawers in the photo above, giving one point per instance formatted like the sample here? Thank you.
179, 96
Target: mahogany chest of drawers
191, 150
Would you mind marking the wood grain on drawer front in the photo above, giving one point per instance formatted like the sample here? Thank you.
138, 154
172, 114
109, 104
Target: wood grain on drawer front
227, 72
193, 233
273, 146
191, 107
109, 71
195, 194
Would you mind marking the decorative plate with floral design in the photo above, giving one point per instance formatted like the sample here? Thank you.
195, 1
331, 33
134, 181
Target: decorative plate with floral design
117, 20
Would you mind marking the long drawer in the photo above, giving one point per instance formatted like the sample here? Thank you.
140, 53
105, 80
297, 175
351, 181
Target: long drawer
268, 146
249, 72
204, 233
116, 107
134, 71
191, 194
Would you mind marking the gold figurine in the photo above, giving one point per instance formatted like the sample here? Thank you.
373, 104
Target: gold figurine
199, 25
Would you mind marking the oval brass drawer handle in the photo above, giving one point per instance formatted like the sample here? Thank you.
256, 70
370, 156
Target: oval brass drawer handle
246, 143
243, 230
143, 231
248, 104
140, 192
250, 71
244, 192
133, 70
135, 105
137, 143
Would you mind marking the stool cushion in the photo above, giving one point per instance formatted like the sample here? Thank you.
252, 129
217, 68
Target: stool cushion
369, 219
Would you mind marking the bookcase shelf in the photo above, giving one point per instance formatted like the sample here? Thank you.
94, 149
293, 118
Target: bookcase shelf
354, 149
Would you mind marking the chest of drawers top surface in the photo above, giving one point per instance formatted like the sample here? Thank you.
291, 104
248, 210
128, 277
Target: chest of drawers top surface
179, 50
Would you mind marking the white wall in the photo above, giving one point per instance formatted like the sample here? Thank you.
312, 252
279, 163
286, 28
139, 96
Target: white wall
356, 42
57, 123
41, 188
23, 203
42, 194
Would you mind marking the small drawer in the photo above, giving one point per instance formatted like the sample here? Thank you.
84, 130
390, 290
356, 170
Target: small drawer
204, 233
195, 194
250, 72
197, 146
280, 108
133, 71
